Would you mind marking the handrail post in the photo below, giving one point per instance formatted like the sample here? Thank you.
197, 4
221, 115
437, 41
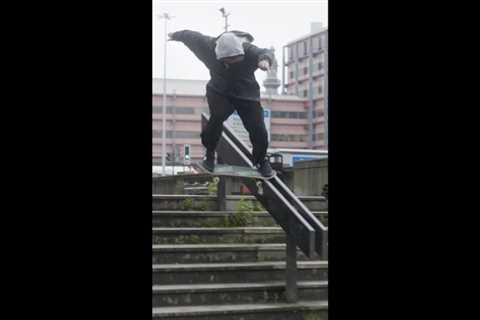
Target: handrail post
179, 185
221, 190
325, 246
291, 269
221, 196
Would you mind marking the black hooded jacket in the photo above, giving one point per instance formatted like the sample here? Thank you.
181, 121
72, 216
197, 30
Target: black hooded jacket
235, 80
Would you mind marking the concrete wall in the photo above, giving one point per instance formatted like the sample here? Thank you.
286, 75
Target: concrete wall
177, 184
306, 178
310, 177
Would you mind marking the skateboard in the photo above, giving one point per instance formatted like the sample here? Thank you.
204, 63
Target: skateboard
233, 171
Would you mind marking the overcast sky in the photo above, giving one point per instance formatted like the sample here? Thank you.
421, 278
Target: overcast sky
272, 23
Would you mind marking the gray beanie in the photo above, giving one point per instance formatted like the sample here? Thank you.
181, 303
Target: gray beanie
229, 45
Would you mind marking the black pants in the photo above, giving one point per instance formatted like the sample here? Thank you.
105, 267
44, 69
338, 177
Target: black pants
251, 113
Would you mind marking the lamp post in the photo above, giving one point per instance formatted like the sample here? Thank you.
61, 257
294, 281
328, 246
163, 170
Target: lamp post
225, 15
167, 17
325, 93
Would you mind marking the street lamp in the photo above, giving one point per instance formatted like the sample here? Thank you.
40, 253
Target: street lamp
165, 16
225, 15
325, 93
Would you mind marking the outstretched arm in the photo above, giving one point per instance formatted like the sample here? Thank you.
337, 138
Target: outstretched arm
198, 43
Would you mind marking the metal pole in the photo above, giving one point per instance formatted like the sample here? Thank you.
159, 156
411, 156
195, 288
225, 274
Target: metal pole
325, 91
164, 137
283, 70
221, 190
165, 16
291, 269
310, 92
174, 123
225, 15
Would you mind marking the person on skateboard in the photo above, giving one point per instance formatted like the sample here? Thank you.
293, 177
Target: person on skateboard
232, 60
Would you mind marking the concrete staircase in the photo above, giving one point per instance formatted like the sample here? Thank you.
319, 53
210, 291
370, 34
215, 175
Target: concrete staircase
203, 270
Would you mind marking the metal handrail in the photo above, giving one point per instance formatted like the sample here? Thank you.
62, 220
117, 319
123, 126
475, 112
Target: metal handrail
298, 222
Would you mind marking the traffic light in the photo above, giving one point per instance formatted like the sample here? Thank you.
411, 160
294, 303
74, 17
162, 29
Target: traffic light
186, 152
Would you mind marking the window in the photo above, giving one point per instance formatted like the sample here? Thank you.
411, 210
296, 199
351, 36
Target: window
319, 136
305, 49
291, 74
178, 134
300, 138
293, 115
277, 137
315, 45
305, 93
317, 114
186, 135
181, 110
289, 114
320, 89
320, 66
290, 54
288, 137
177, 110
305, 70
279, 114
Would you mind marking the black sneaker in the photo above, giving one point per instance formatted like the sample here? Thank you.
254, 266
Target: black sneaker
209, 161
265, 168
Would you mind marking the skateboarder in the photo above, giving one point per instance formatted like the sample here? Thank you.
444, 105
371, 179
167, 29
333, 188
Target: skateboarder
232, 60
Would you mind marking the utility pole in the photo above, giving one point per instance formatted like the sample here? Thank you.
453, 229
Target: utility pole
174, 134
325, 92
225, 16
167, 17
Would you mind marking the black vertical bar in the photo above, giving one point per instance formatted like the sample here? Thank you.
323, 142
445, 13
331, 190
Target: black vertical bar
324, 251
291, 269
221, 190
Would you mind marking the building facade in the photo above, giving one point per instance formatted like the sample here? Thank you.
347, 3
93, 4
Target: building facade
186, 101
304, 74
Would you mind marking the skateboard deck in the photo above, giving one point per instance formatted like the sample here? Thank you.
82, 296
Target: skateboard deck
234, 171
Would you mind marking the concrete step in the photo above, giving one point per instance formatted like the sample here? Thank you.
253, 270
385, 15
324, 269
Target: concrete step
168, 274
311, 310
183, 202
234, 293
209, 202
218, 235
179, 219
205, 253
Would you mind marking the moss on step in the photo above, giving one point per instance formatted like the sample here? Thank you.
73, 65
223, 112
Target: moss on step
312, 315
243, 215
